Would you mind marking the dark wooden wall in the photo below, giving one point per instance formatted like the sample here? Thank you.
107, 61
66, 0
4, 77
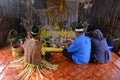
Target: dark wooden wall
105, 15
10, 12
9, 8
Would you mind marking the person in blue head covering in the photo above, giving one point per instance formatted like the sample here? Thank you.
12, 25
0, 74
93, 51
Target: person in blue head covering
80, 48
100, 51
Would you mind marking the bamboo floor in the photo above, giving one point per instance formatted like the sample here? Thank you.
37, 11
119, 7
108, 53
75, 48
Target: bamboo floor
67, 70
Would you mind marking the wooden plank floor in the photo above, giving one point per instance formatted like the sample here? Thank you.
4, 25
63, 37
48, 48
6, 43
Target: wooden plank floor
67, 70
70, 71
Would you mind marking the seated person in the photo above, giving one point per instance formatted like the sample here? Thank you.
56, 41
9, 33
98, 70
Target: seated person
80, 48
32, 48
100, 51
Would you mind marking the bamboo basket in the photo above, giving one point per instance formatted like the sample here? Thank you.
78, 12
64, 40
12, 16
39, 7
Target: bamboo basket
17, 50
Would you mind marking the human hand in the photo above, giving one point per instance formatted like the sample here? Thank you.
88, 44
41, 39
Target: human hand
70, 41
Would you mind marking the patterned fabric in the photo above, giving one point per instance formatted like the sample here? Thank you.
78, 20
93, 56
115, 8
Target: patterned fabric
98, 34
100, 50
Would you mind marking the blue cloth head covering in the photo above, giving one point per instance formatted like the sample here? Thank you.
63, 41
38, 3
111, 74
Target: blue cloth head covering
35, 30
98, 34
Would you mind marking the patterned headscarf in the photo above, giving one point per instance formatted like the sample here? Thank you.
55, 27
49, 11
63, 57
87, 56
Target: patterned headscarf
97, 34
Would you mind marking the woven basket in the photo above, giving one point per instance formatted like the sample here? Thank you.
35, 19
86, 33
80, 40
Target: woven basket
17, 50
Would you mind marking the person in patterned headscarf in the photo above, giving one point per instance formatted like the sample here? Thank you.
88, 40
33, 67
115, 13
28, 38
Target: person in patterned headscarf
100, 51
